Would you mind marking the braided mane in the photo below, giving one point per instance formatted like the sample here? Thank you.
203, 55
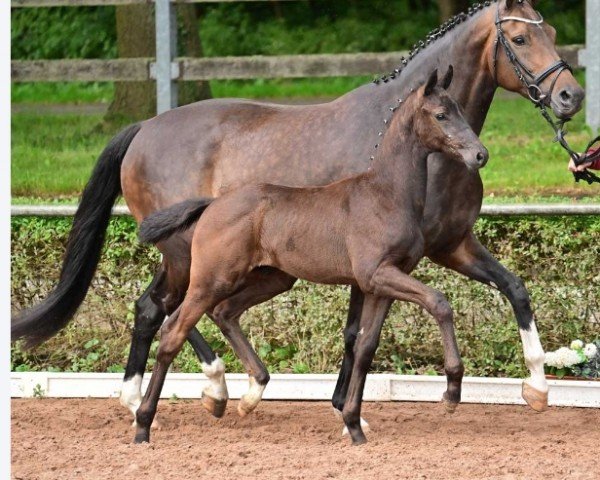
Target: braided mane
434, 35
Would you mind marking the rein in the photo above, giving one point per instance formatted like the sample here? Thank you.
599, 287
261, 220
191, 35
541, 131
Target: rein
538, 97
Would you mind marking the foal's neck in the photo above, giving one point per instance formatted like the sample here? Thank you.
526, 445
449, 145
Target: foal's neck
399, 170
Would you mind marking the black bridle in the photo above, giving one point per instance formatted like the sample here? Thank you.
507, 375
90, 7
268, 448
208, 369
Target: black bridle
532, 83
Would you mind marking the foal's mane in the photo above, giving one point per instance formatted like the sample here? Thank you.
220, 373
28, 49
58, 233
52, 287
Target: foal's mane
434, 35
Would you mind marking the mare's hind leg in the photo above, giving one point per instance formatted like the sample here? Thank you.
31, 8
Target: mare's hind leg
148, 319
150, 312
260, 285
473, 260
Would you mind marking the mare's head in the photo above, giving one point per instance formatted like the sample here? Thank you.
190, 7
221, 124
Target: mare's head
440, 126
522, 44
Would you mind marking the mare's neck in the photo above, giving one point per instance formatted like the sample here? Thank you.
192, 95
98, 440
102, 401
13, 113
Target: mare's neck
466, 47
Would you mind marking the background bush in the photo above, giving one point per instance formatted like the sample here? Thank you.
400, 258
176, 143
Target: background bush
301, 331
269, 28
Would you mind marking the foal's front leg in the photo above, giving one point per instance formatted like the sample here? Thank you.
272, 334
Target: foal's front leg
374, 311
476, 262
389, 281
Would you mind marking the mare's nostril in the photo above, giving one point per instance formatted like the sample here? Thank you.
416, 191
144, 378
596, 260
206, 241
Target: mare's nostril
565, 96
480, 156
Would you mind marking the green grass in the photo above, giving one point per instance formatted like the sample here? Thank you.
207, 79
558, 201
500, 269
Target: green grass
53, 154
102, 92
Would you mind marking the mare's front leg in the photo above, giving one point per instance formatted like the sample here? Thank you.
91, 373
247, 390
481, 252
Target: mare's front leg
260, 285
476, 262
374, 311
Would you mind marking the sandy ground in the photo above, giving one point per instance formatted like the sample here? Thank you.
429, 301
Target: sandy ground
92, 439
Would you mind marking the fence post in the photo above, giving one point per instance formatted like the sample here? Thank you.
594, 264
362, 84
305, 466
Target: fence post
165, 70
590, 58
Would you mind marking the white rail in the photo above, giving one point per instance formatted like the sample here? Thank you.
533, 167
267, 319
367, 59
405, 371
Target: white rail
486, 210
379, 387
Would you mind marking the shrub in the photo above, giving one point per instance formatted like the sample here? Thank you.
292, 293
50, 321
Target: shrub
301, 330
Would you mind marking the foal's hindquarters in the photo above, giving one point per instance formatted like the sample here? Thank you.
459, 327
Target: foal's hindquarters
363, 231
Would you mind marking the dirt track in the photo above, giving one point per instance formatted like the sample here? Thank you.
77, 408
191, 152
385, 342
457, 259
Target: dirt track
91, 439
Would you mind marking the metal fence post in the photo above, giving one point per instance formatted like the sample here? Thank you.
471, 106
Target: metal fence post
590, 58
165, 70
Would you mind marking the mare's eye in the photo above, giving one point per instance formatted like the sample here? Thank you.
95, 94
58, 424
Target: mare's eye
441, 116
519, 40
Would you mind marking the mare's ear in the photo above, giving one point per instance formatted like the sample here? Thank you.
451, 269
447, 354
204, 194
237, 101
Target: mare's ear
431, 83
448, 78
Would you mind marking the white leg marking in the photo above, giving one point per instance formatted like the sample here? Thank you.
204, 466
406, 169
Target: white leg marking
534, 358
131, 394
254, 395
215, 372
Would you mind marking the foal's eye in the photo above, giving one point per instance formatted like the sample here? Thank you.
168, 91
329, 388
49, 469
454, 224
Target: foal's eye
519, 40
441, 116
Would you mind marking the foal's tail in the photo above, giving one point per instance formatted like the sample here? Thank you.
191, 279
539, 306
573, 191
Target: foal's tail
83, 247
164, 223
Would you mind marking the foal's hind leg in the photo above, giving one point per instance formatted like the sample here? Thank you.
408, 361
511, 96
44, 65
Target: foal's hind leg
260, 285
474, 261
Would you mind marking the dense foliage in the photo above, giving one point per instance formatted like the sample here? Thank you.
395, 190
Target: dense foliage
315, 26
300, 331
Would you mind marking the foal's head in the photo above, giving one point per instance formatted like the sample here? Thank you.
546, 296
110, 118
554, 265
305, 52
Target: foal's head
440, 126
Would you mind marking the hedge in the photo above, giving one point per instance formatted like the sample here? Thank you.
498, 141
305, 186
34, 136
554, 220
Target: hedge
301, 331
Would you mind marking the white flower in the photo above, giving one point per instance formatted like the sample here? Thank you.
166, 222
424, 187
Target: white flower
590, 350
576, 345
563, 357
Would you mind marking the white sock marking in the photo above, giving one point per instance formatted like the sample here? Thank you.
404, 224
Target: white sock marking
254, 395
131, 394
534, 358
215, 372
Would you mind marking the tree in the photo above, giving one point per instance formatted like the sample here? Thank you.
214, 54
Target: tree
448, 8
135, 38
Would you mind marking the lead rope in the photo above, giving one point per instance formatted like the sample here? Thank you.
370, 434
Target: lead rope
578, 159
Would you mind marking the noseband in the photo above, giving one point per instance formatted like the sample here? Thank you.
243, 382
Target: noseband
532, 83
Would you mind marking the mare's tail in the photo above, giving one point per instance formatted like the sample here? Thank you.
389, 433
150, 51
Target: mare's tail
84, 245
164, 223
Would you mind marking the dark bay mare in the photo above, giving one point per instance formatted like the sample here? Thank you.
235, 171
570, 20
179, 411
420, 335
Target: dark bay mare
208, 148
364, 231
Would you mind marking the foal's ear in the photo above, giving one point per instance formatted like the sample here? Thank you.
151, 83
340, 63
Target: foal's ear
431, 83
448, 78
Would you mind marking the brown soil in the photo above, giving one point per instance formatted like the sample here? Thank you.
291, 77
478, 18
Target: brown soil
91, 439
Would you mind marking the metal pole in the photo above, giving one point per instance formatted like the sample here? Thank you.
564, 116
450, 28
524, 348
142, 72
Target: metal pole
166, 71
590, 58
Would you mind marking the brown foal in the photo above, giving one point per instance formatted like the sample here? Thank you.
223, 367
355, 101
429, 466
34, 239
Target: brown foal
363, 231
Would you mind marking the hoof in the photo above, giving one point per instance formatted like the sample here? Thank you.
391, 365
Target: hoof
156, 424
215, 406
359, 441
244, 408
449, 406
142, 437
534, 398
